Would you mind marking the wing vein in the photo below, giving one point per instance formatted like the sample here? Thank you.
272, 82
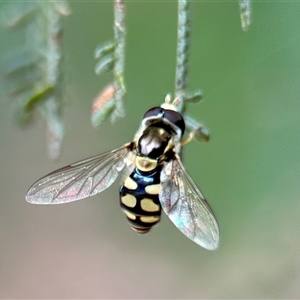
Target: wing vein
80, 180
187, 208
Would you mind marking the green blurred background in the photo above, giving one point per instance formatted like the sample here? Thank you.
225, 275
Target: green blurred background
249, 171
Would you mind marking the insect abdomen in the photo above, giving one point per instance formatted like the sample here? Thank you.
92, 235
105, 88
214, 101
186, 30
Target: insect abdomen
139, 200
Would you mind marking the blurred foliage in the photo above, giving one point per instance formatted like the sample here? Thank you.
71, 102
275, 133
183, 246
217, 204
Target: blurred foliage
33, 71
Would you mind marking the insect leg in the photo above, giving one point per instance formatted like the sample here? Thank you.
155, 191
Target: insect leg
197, 131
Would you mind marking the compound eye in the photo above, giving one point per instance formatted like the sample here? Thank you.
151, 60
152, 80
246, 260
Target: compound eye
175, 118
154, 112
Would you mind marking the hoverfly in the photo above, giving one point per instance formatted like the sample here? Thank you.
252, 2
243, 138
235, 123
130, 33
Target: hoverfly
155, 178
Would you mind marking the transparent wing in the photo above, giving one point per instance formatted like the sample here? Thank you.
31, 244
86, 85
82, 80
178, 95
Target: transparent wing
80, 180
185, 205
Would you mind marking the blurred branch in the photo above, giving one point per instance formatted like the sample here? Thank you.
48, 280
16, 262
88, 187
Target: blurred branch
109, 101
53, 106
245, 13
35, 74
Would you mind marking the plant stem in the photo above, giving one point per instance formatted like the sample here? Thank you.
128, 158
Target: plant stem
183, 47
119, 54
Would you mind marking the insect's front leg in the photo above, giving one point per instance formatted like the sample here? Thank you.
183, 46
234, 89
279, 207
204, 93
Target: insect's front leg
197, 131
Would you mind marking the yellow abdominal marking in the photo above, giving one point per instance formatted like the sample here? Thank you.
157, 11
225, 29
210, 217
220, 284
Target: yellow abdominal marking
130, 184
128, 200
141, 230
145, 164
151, 219
153, 189
130, 215
149, 205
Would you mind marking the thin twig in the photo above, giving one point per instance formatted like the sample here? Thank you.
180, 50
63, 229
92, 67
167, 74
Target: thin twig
119, 54
182, 67
111, 55
183, 47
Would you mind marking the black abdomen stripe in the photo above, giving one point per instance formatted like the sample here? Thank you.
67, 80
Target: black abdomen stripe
139, 200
